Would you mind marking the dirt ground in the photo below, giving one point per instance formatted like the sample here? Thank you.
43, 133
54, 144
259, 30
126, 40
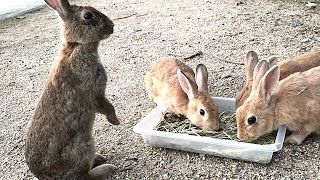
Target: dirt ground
220, 29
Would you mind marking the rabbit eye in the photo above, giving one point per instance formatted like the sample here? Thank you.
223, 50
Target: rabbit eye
252, 120
202, 112
88, 16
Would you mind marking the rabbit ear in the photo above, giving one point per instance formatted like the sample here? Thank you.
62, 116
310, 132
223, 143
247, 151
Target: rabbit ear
186, 85
269, 82
250, 61
202, 78
62, 7
273, 61
259, 71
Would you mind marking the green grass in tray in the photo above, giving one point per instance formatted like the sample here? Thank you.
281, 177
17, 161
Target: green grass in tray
171, 122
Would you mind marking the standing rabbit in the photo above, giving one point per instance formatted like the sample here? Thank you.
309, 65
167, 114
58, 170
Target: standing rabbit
59, 141
287, 67
173, 83
294, 102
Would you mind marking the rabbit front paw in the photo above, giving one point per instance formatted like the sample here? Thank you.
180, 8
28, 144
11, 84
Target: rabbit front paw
113, 119
106, 108
295, 138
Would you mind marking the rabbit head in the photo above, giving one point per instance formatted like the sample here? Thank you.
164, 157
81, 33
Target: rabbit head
81, 24
201, 111
256, 117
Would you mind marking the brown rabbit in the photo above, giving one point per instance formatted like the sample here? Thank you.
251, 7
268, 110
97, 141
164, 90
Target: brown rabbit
294, 102
287, 67
174, 84
59, 141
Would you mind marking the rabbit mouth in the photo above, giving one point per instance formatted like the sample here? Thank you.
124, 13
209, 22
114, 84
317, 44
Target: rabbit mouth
248, 139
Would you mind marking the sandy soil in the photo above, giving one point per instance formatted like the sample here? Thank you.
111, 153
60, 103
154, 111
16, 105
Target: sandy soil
220, 29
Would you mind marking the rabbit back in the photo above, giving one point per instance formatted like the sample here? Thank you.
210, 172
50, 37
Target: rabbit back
163, 86
299, 104
175, 85
299, 63
289, 66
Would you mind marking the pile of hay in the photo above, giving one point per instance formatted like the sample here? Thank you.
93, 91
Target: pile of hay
171, 122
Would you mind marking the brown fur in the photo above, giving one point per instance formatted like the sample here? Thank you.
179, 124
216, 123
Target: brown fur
295, 102
59, 143
163, 86
300, 63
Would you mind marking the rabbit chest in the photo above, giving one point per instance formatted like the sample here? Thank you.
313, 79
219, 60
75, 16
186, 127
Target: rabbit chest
84, 64
84, 61
76, 78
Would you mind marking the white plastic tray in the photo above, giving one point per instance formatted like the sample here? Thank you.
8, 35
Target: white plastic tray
206, 145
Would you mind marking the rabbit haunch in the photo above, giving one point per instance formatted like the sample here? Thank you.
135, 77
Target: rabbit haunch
294, 102
174, 84
59, 143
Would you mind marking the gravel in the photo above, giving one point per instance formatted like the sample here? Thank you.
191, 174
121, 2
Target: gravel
220, 29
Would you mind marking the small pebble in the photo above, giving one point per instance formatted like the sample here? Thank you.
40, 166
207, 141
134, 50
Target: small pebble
239, 3
20, 17
227, 76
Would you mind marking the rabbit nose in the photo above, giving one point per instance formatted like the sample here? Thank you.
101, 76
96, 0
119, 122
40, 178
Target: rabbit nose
239, 136
216, 129
237, 139
109, 27
112, 26
109, 30
213, 127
